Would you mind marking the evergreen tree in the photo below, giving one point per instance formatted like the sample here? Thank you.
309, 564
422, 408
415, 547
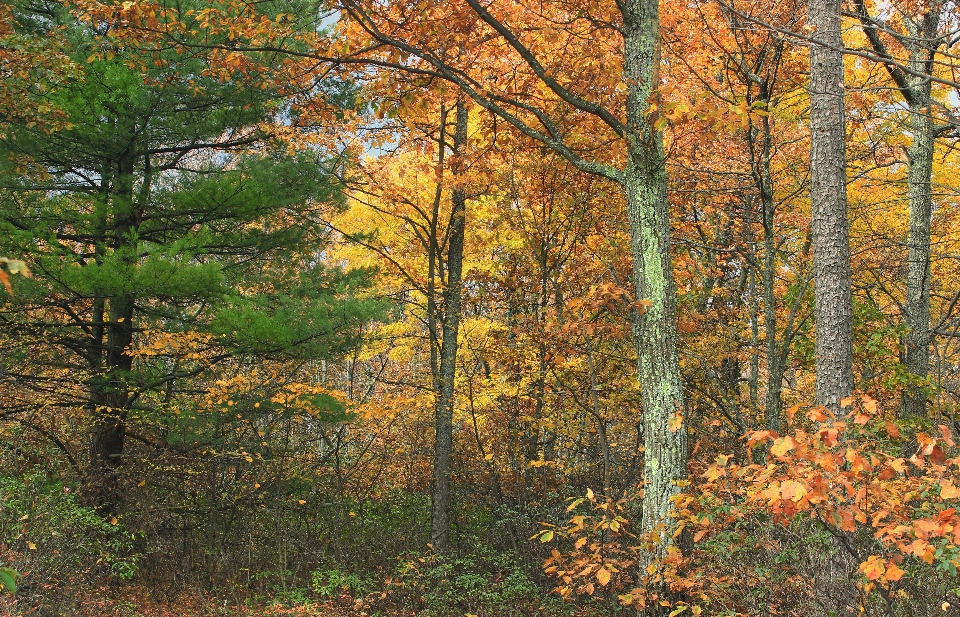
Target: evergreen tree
164, 206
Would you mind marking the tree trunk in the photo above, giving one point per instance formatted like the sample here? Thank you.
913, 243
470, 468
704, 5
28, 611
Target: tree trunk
775, 356
916, 355
108, 389
645, 182
443, 444
830, 230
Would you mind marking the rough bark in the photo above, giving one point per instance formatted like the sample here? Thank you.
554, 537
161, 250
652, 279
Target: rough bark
830, 229
644, 179
443, 444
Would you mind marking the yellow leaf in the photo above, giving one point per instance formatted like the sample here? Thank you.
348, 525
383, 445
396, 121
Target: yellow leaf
603, 576
676, 422
301, 501
248, 458
546, 537
948, 490
31, 546
782, 446
590, 494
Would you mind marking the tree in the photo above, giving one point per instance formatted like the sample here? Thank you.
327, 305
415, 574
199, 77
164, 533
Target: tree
412, 43
920, 37
830, 229
165, 206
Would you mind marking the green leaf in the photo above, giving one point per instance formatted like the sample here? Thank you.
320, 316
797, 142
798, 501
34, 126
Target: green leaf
8, 579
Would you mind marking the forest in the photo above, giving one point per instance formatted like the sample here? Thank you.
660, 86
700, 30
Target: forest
479, 308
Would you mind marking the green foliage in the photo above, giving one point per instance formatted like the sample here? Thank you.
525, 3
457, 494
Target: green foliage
484, 582
331, 583
8, 579
57, 539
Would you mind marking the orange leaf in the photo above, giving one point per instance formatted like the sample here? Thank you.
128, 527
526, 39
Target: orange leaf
893, 572
948, 490
873, 567
676, 422
946, 434
793, 490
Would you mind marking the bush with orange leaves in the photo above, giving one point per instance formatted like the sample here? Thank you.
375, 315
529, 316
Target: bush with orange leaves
856, 512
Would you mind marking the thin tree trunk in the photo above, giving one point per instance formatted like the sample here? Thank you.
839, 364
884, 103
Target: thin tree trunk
830, 229
775, 364
655, 331
443, 444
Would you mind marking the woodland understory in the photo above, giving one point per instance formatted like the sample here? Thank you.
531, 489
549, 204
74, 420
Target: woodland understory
479, 308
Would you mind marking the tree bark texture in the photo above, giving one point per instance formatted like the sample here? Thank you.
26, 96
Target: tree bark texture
645, 182
830, 229
440, 519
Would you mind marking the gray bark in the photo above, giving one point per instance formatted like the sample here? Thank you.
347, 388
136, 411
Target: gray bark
830, 229
446, 374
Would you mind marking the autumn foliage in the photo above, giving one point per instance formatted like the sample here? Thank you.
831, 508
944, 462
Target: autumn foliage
344, 307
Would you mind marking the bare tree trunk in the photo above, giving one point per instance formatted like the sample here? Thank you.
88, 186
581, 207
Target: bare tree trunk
830, 229
655, 330
443, 444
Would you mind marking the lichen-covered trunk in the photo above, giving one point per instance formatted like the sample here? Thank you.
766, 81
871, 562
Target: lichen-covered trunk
645, 182
443, 444
830, 230
916, 354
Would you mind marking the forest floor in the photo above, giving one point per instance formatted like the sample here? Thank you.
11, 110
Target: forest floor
131, 601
